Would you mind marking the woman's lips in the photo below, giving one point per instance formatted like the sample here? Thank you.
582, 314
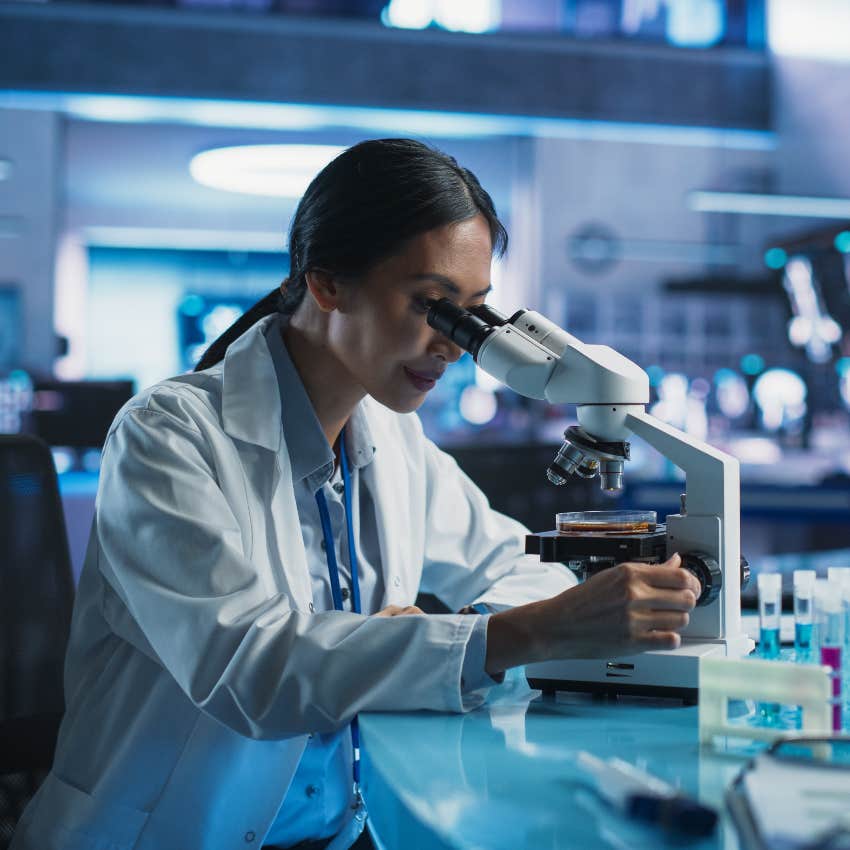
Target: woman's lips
423, 383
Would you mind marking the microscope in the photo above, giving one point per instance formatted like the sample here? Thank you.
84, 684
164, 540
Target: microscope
537, 359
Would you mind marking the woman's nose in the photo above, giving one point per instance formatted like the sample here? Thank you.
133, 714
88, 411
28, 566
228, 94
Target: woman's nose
443, 348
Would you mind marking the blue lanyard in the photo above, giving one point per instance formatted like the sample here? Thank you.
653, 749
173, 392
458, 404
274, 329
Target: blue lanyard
333, 572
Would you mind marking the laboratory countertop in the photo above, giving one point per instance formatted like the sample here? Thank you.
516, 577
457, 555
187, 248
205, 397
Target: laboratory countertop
506, 776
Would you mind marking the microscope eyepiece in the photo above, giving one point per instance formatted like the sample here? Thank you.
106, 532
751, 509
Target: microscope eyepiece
463, 327
490, 315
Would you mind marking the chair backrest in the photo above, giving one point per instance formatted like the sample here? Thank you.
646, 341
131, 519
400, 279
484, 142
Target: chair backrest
36, 582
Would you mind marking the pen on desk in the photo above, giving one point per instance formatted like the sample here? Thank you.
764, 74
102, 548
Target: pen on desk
644, 797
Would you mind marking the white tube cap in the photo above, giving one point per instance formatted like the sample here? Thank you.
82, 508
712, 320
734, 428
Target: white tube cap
827, 597
804, 580
838, 574
770, 584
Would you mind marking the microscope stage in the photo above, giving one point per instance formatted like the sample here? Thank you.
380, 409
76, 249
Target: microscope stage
554, 546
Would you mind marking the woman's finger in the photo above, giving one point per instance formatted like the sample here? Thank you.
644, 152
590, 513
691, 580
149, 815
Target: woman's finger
665, 621
663, 599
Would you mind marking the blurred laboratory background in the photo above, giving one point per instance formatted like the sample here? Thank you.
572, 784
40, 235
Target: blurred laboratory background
673, 173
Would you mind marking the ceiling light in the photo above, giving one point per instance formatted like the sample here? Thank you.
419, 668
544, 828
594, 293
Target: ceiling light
184, 239
282, 171
816, 28
376, 121
747, 203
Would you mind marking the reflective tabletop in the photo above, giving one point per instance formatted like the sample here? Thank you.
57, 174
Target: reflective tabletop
505, 776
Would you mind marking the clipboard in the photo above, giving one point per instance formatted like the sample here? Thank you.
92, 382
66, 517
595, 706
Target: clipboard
794, 796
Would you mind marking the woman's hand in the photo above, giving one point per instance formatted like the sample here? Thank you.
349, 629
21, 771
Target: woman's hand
620, 611
399, 610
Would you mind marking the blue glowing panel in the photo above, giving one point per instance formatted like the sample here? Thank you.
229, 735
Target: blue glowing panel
201, 319
10, 327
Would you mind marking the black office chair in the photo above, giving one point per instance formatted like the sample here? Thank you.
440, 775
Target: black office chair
36, 597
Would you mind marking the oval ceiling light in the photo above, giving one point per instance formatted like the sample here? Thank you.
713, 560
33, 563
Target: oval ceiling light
281, 171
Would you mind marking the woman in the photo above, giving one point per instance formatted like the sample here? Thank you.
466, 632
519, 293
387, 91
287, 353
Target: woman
209, 681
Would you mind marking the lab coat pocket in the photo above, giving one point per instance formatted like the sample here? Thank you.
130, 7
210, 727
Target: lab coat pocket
66, 818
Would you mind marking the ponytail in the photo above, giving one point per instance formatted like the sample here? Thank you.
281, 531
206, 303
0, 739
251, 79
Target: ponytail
264, 307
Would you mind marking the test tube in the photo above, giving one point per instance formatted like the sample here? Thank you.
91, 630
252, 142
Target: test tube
770, 610
804, 586
840, 576
830, 619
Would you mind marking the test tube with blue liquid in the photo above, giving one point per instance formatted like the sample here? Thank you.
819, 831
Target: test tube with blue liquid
770, 611
830, 625
804, 604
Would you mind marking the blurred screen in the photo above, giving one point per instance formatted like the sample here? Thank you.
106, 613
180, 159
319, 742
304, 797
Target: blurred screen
10, 322
76, 414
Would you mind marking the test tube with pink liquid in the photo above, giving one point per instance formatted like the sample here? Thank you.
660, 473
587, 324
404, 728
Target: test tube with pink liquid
830, 619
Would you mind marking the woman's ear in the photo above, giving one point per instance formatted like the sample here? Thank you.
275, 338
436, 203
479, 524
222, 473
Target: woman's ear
324, 288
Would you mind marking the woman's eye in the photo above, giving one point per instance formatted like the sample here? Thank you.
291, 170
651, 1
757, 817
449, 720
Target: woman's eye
422, 304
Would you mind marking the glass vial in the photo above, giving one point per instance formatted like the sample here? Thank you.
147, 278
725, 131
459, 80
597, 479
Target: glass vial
830, 624
804, 604
770, 611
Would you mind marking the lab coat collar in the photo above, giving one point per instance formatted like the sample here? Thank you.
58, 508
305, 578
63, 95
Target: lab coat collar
251, 390
311, 456
250, 399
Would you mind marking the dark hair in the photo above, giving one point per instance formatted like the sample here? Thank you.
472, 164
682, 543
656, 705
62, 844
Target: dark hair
360, 209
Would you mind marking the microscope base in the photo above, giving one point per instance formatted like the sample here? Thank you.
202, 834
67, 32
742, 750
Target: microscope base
667, 673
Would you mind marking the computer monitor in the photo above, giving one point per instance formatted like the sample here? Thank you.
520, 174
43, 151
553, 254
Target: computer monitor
76, 414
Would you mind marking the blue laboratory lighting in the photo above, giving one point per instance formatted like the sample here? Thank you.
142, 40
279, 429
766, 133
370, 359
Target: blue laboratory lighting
292, 116
775, 258
656, 375
842, 366
842, 242
752, 364
193, 305
698, 24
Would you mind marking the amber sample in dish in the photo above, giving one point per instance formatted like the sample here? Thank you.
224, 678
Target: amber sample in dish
606, 522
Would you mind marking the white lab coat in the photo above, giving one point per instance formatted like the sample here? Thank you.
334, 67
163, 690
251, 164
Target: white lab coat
196, 666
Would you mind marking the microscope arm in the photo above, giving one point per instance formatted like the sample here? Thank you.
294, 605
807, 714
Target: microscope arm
713, 475
710, 520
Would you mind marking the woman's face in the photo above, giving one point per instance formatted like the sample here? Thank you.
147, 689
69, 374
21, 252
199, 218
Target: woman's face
379, 332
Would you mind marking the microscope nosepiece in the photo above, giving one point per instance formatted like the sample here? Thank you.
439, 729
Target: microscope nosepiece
583, 455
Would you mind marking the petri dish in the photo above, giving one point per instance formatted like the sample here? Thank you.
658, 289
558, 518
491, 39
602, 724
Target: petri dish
606, 522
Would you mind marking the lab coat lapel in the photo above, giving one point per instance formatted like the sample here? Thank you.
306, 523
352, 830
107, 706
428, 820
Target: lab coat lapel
250, 398
290, 541
387, 479
250, 409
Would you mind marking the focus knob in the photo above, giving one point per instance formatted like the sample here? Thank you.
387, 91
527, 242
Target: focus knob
707, 571
745, 572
